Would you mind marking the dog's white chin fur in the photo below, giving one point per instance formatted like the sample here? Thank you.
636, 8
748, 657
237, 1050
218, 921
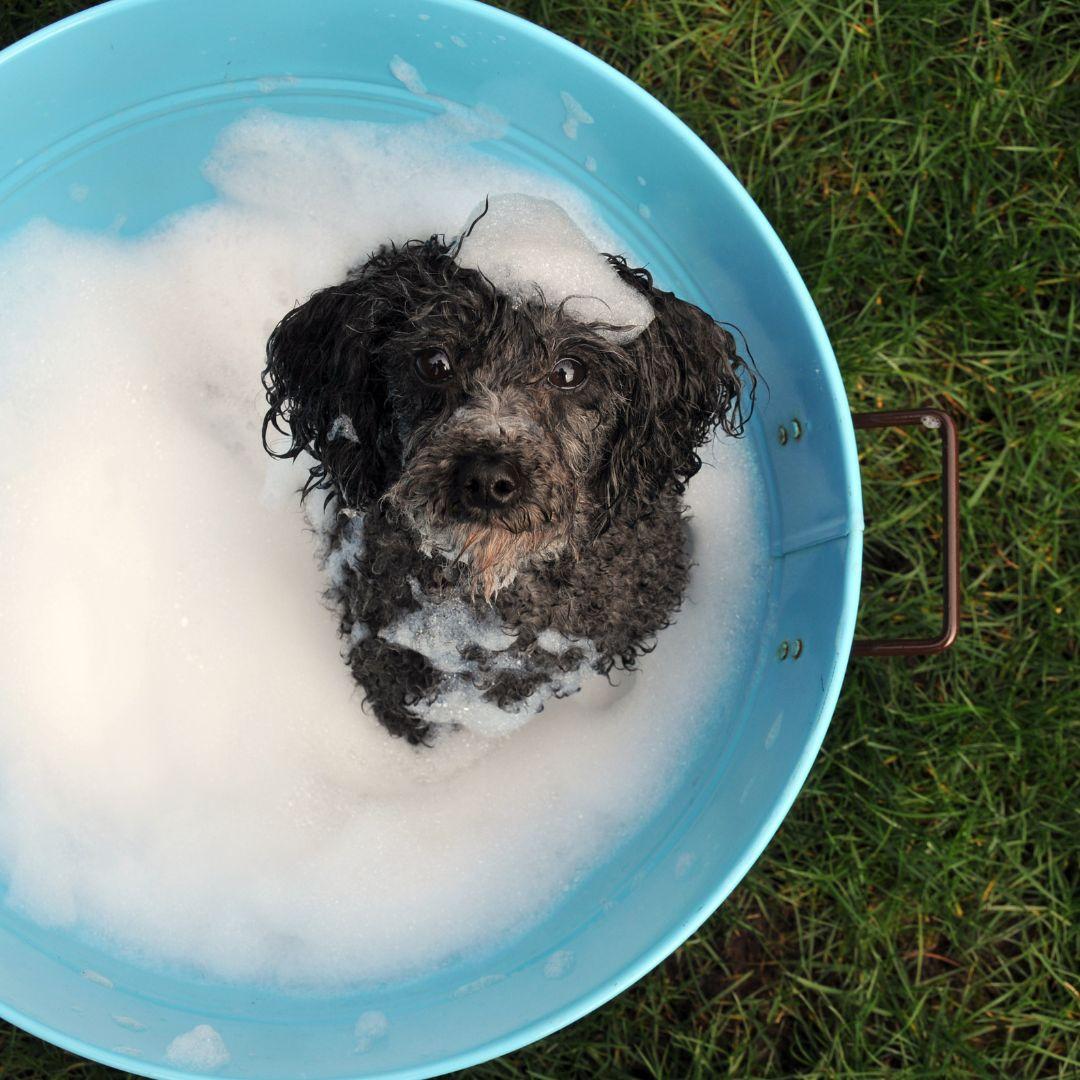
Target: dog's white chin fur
492, 554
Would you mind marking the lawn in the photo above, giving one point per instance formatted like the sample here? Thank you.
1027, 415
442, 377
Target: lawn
915, 915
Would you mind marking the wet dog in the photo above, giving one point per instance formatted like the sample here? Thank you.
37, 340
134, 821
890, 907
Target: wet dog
503, 480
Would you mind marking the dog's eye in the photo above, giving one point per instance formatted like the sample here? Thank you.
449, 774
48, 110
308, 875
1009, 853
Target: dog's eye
433, 366
568, 374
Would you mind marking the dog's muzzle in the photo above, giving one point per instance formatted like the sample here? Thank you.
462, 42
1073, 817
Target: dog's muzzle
486, 483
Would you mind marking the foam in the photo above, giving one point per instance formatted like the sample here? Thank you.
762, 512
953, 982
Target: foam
186, 774
408, 76
576, 115
440, 630
528, 246
370, 1028
202, 1049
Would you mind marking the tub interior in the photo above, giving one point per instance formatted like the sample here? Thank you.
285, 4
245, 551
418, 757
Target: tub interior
118, 108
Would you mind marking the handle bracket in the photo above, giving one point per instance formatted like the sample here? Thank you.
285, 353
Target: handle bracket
950, 538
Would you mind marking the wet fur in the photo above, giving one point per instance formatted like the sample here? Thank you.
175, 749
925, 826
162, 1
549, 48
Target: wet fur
596, 548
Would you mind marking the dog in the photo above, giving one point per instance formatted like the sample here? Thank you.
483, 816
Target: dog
503, 480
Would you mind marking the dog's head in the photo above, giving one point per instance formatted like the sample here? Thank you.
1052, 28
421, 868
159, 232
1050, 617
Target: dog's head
502, 429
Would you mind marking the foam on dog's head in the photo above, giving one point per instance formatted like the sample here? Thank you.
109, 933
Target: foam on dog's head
529, 247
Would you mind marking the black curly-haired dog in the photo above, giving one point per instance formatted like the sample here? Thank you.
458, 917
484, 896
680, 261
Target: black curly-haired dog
496, 470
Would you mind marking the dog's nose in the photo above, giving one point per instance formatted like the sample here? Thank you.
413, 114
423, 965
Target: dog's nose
488, 483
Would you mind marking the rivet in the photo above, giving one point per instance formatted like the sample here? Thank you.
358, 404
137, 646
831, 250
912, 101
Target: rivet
781, 653
796, 428
782, 435
796, 649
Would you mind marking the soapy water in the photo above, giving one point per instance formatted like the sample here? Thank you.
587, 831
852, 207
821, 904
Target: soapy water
186, 773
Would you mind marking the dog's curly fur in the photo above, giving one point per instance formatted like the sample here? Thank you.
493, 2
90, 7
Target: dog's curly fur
588, 561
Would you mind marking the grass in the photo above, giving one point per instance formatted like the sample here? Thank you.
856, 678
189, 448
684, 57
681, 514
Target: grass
915, 915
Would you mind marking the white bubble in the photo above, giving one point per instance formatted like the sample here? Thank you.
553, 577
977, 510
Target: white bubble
130, 1023
201, 1049
268, 84
558, 964
477, 985
575, 115
370, 1028
407, 75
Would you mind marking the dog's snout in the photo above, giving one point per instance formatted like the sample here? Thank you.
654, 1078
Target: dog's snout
486, 482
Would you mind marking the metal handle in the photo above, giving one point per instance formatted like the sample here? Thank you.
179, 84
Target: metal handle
950, 539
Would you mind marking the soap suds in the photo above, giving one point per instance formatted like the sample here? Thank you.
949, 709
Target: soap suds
558, 964
130, 1023
407, 75
269, 83
439, 630
186, 774
575, 115
478, 984
370, 1028
342, 428
529, 247
201, 1049
476, 123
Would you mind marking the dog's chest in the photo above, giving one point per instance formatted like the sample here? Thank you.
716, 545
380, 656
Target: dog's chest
486, 663
462, 660
490, 677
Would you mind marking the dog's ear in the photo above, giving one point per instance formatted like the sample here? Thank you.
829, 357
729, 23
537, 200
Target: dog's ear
689, 380
325, 387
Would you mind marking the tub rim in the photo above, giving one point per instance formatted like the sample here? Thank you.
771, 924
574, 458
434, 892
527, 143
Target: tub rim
637, 967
